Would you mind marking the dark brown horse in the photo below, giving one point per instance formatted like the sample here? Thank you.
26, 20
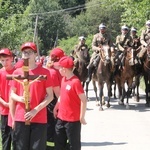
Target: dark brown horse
81, 63
138, 67
146, 73
103, 75
125, 76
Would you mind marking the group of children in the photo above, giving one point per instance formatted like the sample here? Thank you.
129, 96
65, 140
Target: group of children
57, 104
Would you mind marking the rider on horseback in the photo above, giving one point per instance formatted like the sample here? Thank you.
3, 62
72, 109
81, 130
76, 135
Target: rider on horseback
99, 39
135, 38
145, 39
122, 41
81, 45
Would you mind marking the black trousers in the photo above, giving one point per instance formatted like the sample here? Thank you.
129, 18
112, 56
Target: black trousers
67, 131
50, 130
30, 137
6, 132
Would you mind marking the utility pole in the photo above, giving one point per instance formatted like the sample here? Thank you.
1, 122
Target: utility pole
35, 38
56, 40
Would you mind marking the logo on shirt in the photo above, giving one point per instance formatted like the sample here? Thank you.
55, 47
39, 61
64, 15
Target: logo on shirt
68, 87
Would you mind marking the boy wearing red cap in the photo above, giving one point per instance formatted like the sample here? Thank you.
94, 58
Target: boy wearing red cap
31, 136
55, 56
70, 108
6, 58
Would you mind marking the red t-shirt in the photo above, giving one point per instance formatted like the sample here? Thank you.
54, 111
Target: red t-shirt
4, 89
37, 94
56, 76
69, 107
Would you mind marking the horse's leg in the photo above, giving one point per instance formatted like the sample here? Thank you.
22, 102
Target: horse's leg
120, 91
86, 90
123, 94
146, 90
115, 90
101, 85
95, 90
129, 91
133, 89
109, 94
137, 88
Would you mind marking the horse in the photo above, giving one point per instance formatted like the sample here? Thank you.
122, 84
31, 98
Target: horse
81, 63
103, 74
138, 74
146, 74
126, 75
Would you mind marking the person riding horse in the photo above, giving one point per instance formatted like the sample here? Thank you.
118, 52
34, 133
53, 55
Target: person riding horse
122, 41
145, 39
80, 47
135, 38
99, 39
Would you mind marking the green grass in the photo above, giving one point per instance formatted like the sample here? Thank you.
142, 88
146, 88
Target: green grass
142, 84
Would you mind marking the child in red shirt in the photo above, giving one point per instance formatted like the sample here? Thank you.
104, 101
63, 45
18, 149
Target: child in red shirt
70, 108
6, 57
54, 56
31, 136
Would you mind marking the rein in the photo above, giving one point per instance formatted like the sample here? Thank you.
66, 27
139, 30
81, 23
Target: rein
102, 56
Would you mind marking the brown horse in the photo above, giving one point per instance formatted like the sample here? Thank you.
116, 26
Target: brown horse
146, 73
126, 75
103, 74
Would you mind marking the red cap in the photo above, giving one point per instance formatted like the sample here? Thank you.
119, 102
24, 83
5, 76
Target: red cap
66, 62
29, 45
57, 52
6, 51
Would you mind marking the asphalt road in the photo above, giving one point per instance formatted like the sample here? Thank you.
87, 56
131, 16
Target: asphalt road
116, 128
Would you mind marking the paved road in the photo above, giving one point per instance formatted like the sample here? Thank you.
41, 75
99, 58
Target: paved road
116, 128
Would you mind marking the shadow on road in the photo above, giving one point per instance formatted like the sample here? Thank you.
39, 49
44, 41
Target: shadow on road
136, 106
101, 143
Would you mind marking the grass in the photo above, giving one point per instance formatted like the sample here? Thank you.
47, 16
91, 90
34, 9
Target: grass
142, 84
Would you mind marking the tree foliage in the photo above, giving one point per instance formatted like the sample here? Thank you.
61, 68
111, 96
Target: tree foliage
65, 20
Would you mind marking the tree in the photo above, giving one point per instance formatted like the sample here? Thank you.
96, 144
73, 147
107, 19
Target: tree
50, 22
136, 13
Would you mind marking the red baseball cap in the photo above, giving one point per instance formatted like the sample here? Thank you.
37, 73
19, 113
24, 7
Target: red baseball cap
6, 51
57, 52
66, 62
29, 45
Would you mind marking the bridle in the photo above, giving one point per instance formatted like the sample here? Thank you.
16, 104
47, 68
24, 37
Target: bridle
105, 54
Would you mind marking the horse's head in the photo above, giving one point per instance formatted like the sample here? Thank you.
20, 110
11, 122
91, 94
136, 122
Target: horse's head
129, 55
105, 53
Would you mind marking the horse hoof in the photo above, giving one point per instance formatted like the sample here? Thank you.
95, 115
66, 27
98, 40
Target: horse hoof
108, 105
127, 106
120, 103
103, 103
97, 104
88, 99
137, 99
147, 105
100, 109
